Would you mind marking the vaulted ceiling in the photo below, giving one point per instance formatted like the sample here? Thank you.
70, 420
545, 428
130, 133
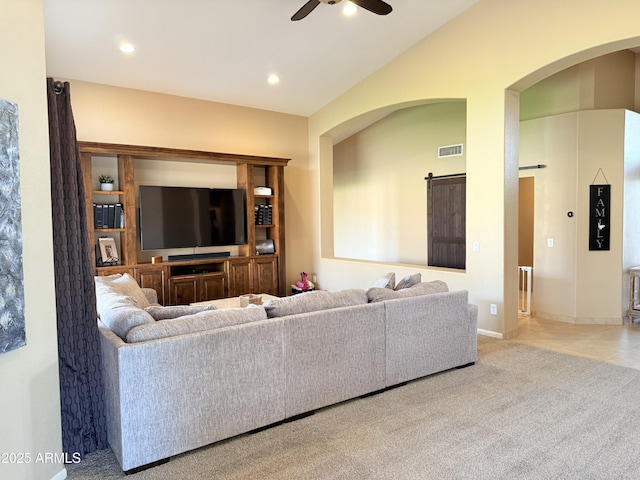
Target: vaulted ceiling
224, 51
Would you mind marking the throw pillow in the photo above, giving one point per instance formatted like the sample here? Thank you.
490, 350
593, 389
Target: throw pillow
127, 285
424, 288
386, 281
313, 301
409, 281
159, 312
197, 322
122, 316
123, 284
107, 298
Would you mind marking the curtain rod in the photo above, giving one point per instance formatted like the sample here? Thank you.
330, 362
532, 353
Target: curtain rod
58, 86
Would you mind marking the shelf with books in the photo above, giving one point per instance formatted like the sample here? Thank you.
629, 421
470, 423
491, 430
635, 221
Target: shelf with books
108, 211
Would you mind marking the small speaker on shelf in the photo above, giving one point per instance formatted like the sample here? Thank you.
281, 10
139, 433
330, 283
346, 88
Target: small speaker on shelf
264, 247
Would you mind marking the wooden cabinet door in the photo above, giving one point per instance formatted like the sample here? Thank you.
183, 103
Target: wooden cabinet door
183, 289
212, 286
240, 277
265, 274
153, 277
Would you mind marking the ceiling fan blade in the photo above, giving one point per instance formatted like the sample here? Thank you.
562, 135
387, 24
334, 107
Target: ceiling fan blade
306, 9
375, 6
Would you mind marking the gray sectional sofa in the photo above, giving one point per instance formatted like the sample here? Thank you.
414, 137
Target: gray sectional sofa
176, 384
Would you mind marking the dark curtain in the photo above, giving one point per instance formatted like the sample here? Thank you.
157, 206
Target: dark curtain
81, 394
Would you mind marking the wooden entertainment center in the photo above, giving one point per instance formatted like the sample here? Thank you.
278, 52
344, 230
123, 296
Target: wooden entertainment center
183, 282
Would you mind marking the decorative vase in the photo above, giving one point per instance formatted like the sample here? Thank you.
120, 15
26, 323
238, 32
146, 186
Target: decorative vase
106, 187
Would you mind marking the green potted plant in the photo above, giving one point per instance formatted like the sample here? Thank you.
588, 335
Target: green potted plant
106, 182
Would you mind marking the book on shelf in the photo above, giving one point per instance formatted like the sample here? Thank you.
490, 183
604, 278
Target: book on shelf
97, 216
108, 215
119, 216
263, 214
111, 215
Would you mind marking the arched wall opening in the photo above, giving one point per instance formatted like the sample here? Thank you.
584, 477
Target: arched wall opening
489, 73
379, 186
581, 123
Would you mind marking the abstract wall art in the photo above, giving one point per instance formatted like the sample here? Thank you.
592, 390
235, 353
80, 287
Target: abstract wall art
12, 322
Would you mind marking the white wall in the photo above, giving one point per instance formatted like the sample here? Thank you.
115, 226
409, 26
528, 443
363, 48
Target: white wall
631, 222
379, 188
29, 398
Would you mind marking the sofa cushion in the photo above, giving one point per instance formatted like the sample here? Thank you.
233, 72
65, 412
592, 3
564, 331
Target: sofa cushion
107, 297
121, 314
313, 301
423, 288
158, 312
386, 281
125, 285
409, 281
197, 322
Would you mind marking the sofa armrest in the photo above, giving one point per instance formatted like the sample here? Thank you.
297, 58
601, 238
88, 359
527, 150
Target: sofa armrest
151, 295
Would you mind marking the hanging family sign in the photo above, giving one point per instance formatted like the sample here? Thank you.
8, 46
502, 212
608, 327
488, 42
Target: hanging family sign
599, 216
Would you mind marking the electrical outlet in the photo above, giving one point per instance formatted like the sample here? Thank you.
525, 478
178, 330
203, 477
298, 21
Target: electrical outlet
476, 246
493, 309
550, 242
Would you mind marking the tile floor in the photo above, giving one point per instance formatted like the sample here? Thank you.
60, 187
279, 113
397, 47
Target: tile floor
618, 344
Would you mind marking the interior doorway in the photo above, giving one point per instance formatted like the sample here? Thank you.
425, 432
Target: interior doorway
526, 200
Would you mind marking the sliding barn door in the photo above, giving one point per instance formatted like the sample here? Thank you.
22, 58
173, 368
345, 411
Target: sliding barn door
446, 218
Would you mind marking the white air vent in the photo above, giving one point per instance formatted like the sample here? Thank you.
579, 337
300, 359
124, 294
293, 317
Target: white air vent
450, 151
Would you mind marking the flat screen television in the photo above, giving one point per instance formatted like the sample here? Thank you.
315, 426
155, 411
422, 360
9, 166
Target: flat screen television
186, 217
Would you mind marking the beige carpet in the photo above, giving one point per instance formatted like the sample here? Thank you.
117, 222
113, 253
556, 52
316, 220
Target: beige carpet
519, 413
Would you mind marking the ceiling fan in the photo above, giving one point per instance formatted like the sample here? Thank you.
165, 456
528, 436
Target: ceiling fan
375, 6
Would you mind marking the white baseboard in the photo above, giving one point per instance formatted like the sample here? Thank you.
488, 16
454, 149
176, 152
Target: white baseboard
489, 333
61, 475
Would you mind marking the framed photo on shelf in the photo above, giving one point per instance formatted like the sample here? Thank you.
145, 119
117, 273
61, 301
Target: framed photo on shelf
108, 251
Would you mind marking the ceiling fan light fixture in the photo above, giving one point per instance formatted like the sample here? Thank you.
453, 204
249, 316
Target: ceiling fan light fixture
349, 9
273, 79
379, 7
127, 47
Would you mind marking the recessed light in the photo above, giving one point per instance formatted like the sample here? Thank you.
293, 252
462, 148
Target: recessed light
273, 79
349, 9
127, 48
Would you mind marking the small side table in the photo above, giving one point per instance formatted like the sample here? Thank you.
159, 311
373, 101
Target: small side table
634, 294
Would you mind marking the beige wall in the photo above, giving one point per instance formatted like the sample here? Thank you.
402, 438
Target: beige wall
599, 274
470, 58
379, 188
607, 81
29, 402
552, 141
572, 283
119, 115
